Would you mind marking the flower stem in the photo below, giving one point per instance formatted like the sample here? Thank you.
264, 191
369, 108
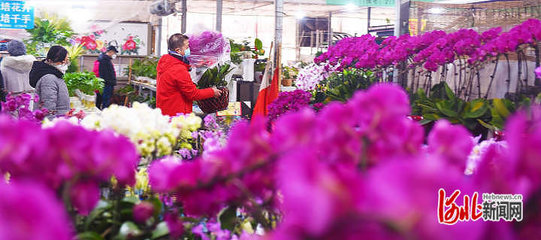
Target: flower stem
492, 77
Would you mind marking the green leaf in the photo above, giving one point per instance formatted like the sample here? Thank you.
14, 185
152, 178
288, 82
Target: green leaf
258, 43
438, 91
102, 207
445, 109
460, 105
428, 108
450, 94
477, 104
158, 205
500, 107
161, 230
89, 236
421, 94
475, 108
425, 121
486, 125
228, 218
131, 199
431, 116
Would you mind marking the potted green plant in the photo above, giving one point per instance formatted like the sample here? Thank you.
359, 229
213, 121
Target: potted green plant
236, 52
258, 49
145, 67
288, 75
84, 85
86, 82
215, 77
48, 31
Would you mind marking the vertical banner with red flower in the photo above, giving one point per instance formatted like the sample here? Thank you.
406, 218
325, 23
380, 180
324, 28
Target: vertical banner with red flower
131, 45
91, 43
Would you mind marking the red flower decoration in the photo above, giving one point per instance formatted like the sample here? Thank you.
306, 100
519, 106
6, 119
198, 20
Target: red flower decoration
129, 44
89, 42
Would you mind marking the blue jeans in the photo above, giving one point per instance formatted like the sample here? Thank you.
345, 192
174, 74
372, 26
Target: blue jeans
107, 94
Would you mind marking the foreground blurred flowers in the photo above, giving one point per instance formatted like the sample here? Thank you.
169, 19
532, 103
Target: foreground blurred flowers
67, 158
30, 211
353, 170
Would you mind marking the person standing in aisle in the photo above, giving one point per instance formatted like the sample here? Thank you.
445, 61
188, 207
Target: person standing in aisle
107, 72
175, 91
2, 96
46, 77
15, 69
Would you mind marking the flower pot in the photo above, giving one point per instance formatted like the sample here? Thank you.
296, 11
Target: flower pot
88, 101
215, 104
287, 82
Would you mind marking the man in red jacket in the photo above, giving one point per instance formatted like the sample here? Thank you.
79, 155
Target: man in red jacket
175, 91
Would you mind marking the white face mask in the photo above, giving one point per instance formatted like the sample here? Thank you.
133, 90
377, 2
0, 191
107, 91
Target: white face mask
62, 67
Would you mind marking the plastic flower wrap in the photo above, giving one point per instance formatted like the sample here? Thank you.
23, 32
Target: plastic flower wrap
152, 133
208, 48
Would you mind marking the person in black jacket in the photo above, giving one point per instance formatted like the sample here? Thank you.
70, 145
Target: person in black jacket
107, 72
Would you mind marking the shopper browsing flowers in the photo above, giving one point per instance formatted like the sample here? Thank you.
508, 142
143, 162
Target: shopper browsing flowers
46, 77
175, 90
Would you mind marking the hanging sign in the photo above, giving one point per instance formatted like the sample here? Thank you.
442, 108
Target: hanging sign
16, 15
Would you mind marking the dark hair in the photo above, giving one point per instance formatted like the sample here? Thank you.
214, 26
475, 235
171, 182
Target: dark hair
176, 41
57, 54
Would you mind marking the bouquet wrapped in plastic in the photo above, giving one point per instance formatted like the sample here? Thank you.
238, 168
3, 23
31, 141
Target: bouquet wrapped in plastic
208, 49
